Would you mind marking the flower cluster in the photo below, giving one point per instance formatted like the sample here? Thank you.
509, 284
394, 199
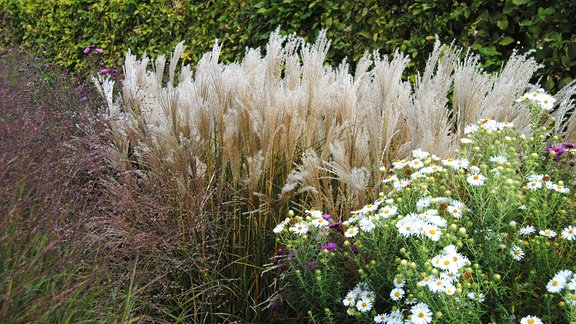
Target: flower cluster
564, 280
359, 299
93, 51
539, 97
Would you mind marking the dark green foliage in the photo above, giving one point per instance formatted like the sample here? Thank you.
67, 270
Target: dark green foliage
494, 29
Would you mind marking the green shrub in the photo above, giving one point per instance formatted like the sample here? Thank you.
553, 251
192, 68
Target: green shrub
495, 29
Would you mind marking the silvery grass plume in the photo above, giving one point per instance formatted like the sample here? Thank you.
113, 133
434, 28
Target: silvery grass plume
287, 115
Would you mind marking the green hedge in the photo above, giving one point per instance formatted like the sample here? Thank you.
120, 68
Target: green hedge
495, 28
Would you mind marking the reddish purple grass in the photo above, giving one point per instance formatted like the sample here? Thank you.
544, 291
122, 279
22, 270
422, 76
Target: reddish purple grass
112, 227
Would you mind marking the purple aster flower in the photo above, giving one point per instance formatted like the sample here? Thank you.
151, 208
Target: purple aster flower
330, 246
555, 151
97, 51
327, 216
354, 249
87, 49
569, 145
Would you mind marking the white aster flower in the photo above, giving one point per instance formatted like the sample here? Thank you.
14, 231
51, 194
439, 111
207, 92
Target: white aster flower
350, 311
416, 164
466, 140
556, 284
479, 297
399, 282
534, 185
498, 159
364, 305
300, 228
314, 213
530, 320
381, 318
399, 164
548, 233
396, 317
470, 129
569, 233
423, 203
388, 211
421, 314
396, 294
351, 232
366, 224
438, 285
279, 228
517, 253
420, 154
350, 298
390, 178
400, 183
432, 232
476, 179
527, 230
319, 222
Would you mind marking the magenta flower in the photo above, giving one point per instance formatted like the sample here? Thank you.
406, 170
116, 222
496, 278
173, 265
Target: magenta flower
97, 51
330, 246
87, 49
555, 151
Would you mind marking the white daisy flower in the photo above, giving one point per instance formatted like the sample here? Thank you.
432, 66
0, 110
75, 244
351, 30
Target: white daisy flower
527, 230
461, 164
517, 253
548, 233
454, 210
421, 314
569, 233
479, 297
381, 318
423, 203
534, 185
279, 228
390, 178
420, 154
474, 169
314, 213
399, 164
364, 305
400, 183
399, 282
367, 294
388, 211
476, 179
438, 285
300, 228
530, 320
351, 232
366, 224
566, 273
350, 311
396, 294
350, 298
498, 159
416, 164
396, 317
572, 284
432, 232
556, 284
319, 222
470, 129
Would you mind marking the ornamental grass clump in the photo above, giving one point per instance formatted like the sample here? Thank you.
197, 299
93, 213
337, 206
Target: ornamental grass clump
486, 235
